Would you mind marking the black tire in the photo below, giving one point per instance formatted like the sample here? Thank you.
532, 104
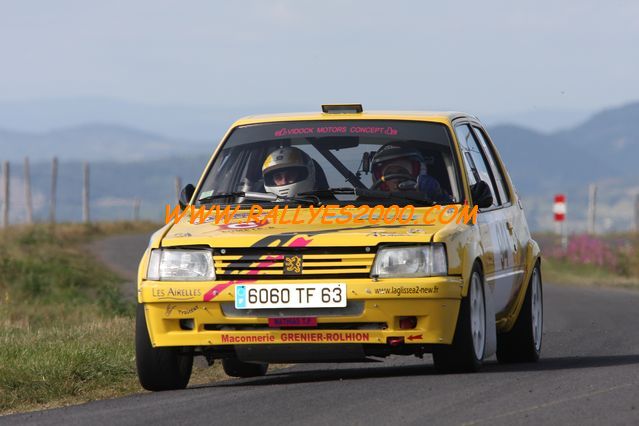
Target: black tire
460, 356
159, 369
519, 344
236, 368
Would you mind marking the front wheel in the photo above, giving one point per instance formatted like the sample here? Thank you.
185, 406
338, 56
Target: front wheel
523, 342
159, 369
466, 354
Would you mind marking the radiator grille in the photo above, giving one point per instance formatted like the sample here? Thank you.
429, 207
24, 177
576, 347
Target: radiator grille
316, 263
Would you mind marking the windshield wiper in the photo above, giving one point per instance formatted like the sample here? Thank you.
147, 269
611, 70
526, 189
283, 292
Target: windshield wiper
330, 191
374, 194
260, 196
219, 196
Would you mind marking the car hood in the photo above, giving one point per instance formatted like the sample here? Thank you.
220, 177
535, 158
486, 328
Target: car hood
270, 233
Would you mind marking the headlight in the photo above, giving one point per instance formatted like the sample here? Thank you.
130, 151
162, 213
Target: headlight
414, 261
181, 265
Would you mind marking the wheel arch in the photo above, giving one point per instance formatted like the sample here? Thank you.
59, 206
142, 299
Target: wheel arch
533, 259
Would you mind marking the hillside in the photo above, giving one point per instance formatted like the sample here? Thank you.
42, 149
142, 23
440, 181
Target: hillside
602, 150
94, 142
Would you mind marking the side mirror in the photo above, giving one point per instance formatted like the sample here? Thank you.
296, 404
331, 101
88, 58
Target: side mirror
367, 159
480, 192
186, 195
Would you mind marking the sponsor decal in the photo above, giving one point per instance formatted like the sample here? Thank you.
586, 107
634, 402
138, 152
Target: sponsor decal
170, 308
339, 130
229, 339
244, 225
325, 337
170, 293
298, 337
407, 290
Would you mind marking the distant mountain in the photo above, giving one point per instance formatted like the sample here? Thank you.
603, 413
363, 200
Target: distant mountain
539, 119
605, 146
95, 142
191, 122
604, 150
612, 134
536, 162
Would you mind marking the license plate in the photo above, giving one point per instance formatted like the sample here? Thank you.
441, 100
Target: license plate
268, 296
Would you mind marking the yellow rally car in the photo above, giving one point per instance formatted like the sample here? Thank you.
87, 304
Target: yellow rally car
331, 237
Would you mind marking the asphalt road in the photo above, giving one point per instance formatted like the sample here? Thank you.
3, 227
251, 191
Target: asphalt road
588, 374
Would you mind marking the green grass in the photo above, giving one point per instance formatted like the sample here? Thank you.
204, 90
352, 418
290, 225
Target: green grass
65, 363
66, 334
563, 272
623, 272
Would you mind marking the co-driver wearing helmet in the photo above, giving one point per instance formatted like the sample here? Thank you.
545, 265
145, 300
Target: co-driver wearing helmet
288, 171
398, 168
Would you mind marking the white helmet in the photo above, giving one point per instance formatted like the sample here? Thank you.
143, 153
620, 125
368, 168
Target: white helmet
288, 171
393, 159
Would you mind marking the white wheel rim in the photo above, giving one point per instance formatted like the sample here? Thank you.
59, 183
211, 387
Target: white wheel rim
477, 316
537, 309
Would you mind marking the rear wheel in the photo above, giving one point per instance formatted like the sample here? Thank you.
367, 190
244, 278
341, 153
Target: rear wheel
236, 368
159, 368
523, 342
466, 353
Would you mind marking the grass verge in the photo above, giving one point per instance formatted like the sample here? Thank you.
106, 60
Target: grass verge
563, 272
609, 260
66, 334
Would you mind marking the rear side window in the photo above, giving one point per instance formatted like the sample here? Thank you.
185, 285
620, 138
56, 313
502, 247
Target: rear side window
475, 161
500, 182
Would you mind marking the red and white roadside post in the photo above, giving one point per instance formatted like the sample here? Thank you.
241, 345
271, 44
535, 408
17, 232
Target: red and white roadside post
559, 210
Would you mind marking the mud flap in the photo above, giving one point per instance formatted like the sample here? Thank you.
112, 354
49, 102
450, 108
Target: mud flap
491, 327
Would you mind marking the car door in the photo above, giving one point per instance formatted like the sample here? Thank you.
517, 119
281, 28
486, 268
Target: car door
492, 221
516, 225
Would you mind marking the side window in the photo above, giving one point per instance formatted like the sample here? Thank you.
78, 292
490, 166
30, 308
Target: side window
500, 182
476, 164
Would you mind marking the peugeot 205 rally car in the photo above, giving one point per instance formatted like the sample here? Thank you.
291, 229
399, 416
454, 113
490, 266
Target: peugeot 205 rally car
330, 237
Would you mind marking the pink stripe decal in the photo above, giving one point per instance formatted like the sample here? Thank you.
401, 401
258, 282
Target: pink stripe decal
300, 242
212, 293
270, 260
215, 291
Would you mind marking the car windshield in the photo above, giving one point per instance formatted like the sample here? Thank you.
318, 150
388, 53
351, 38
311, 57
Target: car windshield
339, 161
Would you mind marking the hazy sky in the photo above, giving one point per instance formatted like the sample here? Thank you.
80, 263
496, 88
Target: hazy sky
488, 57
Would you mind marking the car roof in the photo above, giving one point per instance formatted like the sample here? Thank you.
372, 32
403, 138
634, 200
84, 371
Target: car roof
436, 116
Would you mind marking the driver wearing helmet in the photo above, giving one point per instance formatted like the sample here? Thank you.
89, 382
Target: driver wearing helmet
397, 168
288, 171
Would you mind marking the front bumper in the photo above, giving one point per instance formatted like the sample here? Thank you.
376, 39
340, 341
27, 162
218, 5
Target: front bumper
198, 314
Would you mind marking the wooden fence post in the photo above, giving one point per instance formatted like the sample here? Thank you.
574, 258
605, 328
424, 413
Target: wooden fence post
85, 193
136, 209
27, 191
5, 194
54, 181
